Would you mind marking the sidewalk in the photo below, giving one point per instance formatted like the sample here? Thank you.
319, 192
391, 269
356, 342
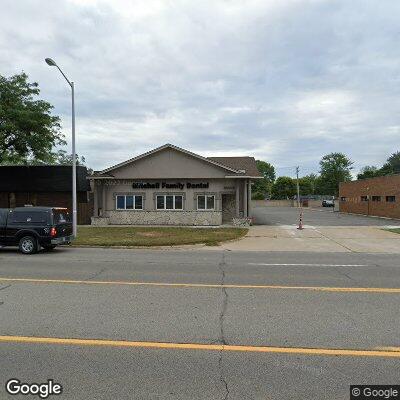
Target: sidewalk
363, 239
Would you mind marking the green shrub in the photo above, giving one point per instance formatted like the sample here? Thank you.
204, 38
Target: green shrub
257, 196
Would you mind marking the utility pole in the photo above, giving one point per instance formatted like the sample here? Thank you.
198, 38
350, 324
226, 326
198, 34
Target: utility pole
298, 187
298, 200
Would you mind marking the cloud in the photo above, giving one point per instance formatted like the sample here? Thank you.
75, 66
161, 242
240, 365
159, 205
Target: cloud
285, 81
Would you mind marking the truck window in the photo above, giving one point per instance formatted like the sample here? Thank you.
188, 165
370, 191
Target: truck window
61, 216
29, 217
3, 216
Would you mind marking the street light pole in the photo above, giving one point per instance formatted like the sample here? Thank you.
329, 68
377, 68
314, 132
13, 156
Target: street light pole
52, 63
74, 202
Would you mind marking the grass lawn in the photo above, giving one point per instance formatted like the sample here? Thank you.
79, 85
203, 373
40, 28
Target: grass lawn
395, 230
147, 236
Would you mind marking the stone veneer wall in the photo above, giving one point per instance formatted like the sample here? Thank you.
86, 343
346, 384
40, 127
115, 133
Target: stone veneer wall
241, 222
165, 217
100, 221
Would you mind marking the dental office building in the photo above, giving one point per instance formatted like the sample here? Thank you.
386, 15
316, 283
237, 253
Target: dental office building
173, 186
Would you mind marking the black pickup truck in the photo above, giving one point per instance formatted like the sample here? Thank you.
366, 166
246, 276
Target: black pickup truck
32, 227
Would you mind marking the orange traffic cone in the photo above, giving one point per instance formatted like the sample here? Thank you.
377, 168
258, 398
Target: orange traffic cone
300, 221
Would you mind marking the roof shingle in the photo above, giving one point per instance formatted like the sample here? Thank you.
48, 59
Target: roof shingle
247, 164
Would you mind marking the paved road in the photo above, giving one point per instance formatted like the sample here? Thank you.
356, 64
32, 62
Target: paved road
315, 217
274, 302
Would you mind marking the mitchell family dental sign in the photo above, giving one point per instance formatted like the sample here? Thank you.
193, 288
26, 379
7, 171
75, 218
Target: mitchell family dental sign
166, 185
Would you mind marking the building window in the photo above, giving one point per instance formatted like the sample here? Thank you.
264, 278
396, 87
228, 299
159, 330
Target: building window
391, 199
120, 202
205, 202
138, 202
376, 198
343, 198
364, 198
178, 202
129, 202
169, 202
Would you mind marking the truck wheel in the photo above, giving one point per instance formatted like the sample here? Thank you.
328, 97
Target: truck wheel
28, 245
49, 247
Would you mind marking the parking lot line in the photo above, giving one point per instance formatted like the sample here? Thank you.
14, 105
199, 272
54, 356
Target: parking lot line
199, 346
204, 285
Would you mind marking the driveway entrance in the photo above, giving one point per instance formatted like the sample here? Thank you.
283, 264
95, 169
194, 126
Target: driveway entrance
275, 229
314, 217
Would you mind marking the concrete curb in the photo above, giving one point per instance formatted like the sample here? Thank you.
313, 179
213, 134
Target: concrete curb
370, 216
177, 247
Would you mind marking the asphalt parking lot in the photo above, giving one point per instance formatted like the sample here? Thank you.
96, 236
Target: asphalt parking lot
315, 217
148, 324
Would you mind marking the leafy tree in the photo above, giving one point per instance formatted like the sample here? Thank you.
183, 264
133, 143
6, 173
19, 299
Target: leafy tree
266, 169
392, 165
283, 188
66, 159
28, 131
334, 168
308, 184
368, 171
319, 186
262, 187
257, 196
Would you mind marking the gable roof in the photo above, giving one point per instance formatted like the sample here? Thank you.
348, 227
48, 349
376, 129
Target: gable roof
246, 164
235, 166
166, 146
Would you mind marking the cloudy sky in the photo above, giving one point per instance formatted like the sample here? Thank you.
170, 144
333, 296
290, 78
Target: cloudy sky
286, 81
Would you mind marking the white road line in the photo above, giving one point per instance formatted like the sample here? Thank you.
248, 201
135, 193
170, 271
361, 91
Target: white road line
309, 265
293, 227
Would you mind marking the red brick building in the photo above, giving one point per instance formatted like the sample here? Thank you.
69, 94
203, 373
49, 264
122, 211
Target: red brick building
374, 196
